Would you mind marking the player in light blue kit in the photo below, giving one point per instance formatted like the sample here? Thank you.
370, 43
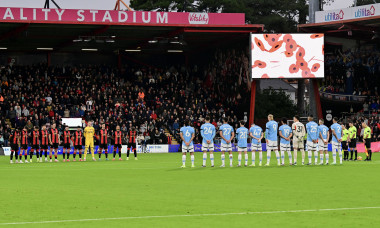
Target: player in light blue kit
312, 139
336, 130
286, 134
227, 133
271, 139
242, 136
323, 141
208, 134
257, 134
187, 136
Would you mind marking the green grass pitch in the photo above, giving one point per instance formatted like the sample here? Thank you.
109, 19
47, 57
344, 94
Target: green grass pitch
155, 192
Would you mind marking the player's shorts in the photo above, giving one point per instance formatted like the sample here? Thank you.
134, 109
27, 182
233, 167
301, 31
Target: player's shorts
133, 145
89, 144
78, 147
35, 146
226, 147
298, 144
256, 146
352, 144
66, 146
54, 145
344, 145
103, 146
321, 145
311, 146
24, 146
242, 149
14, 147
336, 146
44, 147
272, 145
368, 143
187, 148
284, 147
208, 146
117, 146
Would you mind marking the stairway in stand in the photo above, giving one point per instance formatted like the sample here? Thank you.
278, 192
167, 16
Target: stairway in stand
174, 141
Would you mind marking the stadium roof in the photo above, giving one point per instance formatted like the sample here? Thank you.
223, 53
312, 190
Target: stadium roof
62, 37
360, 28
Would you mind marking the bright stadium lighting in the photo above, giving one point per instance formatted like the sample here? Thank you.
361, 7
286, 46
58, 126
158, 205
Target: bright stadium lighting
87, 39
113, 36
89, 49
77, 40
153, 41
3, 48
175, 51
174, 42
132, 50
110, 41
45, 49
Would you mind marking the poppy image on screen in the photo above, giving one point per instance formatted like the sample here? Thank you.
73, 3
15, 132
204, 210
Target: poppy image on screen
287, 55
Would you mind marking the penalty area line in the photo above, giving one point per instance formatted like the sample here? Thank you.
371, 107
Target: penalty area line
191, 215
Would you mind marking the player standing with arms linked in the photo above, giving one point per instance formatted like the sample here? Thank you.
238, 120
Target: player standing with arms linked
257, 134
242, 135
78, 143
54, 140
298, 139
132, 143
88, 134
367, 140
35, 144
103, 138
336, 130
271, 139
345, 137
187, 134
208, 134
285, 133
117, 136
352, 140
24, 145
44, 141
14, 140
227, 133
312, 140
66, 144
323, 141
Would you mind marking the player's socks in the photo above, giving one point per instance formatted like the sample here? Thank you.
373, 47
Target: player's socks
282, 157
303, 156
315, 157
114, 153
334, 156
239, 160
16, 155
290, 157
128, 153
74, 154
100, 154
260, 157
106, 153
278, 157
309, 156
192, 160
68, 155
135, 153
46, 153
80, 154
340, 157
31, 155
212, 159
204, 159
11, 157
268, 156
245, 159
321, 158
254, 157
295, 156
356, 155
64, 155
183, 160
26, 155
370, 154
223, 157
119, 153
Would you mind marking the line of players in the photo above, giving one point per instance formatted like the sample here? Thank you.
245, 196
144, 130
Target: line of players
41, 140
317, 140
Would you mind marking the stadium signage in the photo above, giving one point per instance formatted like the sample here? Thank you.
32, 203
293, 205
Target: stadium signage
348, 13
80, 16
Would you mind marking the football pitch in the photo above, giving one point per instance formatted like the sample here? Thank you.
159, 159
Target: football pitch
154, 192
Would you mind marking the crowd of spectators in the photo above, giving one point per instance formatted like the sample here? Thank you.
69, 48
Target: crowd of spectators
150, 99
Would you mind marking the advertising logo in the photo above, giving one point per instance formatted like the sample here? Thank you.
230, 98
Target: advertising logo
198, 18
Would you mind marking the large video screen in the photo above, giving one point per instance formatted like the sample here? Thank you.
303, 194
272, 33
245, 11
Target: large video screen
287, 55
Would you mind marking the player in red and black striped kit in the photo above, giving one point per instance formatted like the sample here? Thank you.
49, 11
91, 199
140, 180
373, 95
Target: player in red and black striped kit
78, 143
132, 143
14, 140
44, 142
117, 136
24, 145
35, 144
54, 142
66, 144
103, 142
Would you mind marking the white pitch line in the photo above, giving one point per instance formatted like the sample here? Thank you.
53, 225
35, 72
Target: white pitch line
191, 215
